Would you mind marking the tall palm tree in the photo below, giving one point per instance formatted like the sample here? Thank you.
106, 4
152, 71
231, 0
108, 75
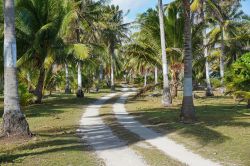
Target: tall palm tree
187, 111
224, 13
201, 6
166, 96
14, 121
114, 30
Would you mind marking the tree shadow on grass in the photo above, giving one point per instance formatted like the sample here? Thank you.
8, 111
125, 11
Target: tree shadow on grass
209, 117
57, 142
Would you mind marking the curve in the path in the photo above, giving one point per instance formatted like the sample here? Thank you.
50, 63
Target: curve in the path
99, 136
166, 145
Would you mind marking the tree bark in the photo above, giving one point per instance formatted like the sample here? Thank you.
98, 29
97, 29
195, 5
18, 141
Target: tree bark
14, 121
166, 96
248, 103
67, 88
79, 93
187, 111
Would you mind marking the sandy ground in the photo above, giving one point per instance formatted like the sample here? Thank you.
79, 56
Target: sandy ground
166, 145
108, 147
114, 151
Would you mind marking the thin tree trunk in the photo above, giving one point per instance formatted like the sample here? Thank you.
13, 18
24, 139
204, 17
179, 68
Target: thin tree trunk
222, 59
166, 97
187, 111
101, 73
67, 88
14, 121
29, 81
79, 93
145, 78
248, 103
39, 87
175, 83
156, 75
209, 91
112, 70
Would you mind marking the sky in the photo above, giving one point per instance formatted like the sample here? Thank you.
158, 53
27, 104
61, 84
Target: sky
139, 6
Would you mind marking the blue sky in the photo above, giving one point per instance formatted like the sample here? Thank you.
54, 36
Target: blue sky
139, 6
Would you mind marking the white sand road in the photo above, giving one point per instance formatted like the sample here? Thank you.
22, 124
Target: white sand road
112, 150
115, 152
166, 145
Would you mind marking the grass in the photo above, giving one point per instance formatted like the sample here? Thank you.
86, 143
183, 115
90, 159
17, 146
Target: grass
221, 133
54, 124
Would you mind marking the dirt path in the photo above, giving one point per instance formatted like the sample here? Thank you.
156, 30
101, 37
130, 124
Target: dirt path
108, 147
166, 145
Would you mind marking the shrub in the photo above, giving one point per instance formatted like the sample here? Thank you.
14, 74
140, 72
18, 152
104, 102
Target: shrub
25, 97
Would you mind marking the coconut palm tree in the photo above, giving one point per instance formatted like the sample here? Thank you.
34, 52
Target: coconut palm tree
166, 96
14, 121
187, 111
114, 30
38, 29
201, 6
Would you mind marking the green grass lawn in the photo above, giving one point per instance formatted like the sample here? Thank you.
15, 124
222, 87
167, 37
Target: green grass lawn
221, 133
54, 124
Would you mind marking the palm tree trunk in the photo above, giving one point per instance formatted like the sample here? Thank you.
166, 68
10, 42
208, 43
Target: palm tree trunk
145, 78
166, 96
79, 93
67, 88
112, 70
156, 75
39, 87
14, 121
187, 110
101, 73
209, 91
222, 58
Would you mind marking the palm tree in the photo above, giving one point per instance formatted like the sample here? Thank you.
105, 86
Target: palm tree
187, 111
14, 121
200, 4
166, 96
114, 30
224, 14
38, 29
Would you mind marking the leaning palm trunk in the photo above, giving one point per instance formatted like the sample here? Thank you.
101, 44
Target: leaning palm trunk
222, 59
14, 122
187, 110
166, 97
79, 93
67, 88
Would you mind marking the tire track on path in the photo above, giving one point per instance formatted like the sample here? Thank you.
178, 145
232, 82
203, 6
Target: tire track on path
166, 145
99, 136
